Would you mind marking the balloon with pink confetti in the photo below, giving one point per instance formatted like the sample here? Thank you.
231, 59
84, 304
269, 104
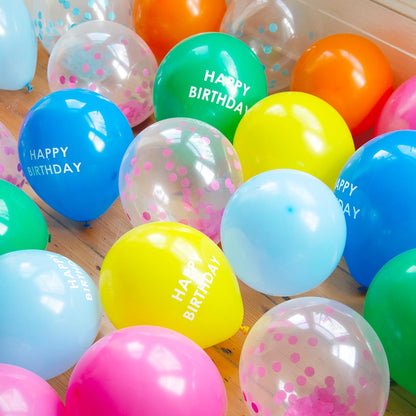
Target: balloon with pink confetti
110, 59
182, 170
10, 168
313, 357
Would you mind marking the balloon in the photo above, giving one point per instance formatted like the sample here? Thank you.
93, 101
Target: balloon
389, 309
156, 21
179, 169
351, 73
148, 371
71, 144
277, 32
18, 45
24, 393
10, 168
293, 130
53, 18
171, 275
109, 59
399, 111
22, 225
212, 77
50, 309
376, 191
283, 232
313, 356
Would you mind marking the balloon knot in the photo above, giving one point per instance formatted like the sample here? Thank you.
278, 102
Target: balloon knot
49, 238
29, 87
87, 224
244, 329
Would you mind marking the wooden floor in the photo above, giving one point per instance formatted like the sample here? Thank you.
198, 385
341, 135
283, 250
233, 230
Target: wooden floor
88, 247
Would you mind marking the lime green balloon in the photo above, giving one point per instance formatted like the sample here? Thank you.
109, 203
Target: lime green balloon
212, 77
390, 309
22, 225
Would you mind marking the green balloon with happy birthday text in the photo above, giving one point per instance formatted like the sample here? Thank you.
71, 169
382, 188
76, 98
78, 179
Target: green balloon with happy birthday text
213, 77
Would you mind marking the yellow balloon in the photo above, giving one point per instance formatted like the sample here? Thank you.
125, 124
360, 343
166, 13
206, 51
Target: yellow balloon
294, 130
171, 275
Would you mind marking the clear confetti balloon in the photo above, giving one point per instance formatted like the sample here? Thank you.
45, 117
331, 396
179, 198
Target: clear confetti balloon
181, 170
313, 357
277, 32
10, 168
110, 59
53, 18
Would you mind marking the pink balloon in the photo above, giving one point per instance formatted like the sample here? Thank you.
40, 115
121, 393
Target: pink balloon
146, 371
399, 112
23, 393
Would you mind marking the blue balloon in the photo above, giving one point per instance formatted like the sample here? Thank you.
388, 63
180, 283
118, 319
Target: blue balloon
376, 189
71, 145
18, 45
283, 232
50, 311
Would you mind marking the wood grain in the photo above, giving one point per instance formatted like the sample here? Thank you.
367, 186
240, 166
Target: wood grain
88, 247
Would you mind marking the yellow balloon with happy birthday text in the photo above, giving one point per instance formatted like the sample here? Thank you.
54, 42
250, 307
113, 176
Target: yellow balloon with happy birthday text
171, 275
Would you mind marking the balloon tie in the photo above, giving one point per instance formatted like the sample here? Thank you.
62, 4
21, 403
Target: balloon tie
29, 87
87, 224
244, 329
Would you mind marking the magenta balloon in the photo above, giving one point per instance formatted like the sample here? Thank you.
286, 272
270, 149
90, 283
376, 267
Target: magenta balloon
23, 393
146, 371
399, 112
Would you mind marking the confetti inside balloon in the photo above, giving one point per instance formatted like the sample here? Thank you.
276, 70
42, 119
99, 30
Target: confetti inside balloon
182, 170
313, 356
109, 59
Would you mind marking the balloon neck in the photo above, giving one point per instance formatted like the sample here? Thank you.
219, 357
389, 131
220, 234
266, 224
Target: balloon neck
363, 289
87, 224
244, 329
49, 238
29, 87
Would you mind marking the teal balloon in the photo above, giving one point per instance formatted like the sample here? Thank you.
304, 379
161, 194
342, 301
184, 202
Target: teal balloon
212, 77
18, 45
50, 311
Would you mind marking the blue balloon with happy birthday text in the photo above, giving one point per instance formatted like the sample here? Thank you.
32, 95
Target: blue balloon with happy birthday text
376, 190
71, 145
18, 45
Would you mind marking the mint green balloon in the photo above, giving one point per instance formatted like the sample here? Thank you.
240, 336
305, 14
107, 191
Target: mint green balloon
22, 225
212, 77
389, 308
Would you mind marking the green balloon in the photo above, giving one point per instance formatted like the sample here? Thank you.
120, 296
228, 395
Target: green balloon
390, 309
22, 225
213, 77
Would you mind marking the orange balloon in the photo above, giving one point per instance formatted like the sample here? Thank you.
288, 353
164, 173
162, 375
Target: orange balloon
351, 73
164, 23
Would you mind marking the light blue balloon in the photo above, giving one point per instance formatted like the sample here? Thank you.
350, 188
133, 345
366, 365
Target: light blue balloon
50, 311
18, 45
283, 232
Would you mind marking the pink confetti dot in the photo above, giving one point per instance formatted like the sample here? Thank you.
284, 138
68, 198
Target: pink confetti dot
228, 182
99, 72
127, 93
73, 79
127, 178
278, 336
85, 67
124, 42
309, 371
145, 84
136, 171
244, 396
288, 387
87, 47
192, 129
329, 381
162, 215
293, 339
147, 166
363, 381
186, 206
92, 87
366, 354
351, 400
231, 189
351, 390
169, 165
276, 366
146, 216
1, 168
279, 397
172, 177
215, 185
200, 192
133, 161
186, 192
313, 342
250, 369
260, 348
132, 197
292, 398
134, 71
208, 209
97, 56
62, 79
329, 310
185, 182
124, 195
153, 207
254, 407
261, 371
229, 151
205, 139
295, 357
138, 89
167, 152
182, 171
146, 72
266, 412
301, 380
237, 164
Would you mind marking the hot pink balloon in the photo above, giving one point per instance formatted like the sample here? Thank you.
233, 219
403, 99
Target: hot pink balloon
146, 371
399, 112
24, 393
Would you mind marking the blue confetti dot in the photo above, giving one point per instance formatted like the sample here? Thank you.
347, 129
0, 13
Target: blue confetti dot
40, 24
67, 5
260, 30
263, 66
87, 16
285, 72
111, 15
273, 27
55, 32
91, 3
239, 33
276, 67
39, 15
60, 22
273, 81
40, 36
241, 23
76, 11
267, 49
49, 38
311, 35
51, 23
47, 29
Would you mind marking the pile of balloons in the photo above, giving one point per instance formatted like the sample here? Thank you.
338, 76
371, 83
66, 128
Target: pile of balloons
284, 143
